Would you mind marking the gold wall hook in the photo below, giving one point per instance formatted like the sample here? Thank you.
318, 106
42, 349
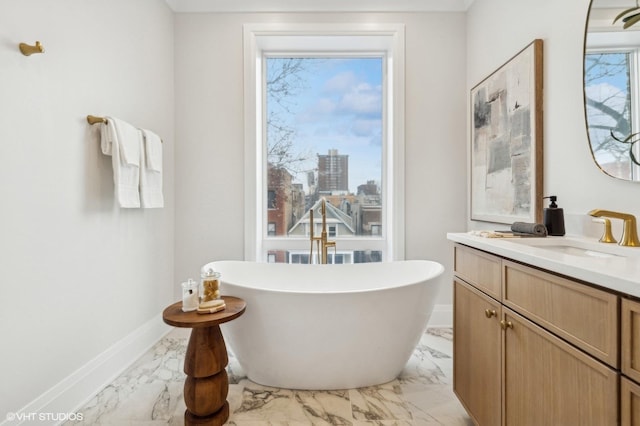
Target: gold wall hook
28, 50
92, 119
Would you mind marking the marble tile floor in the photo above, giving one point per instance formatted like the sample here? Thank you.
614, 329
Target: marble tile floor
149, 393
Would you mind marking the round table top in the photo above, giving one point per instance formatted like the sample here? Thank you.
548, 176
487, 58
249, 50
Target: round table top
173, 315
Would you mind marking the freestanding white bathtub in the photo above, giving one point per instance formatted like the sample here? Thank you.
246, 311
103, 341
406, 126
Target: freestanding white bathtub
327, 326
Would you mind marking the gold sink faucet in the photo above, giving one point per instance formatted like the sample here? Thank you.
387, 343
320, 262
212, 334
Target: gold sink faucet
629, 230
322, 243
607, 235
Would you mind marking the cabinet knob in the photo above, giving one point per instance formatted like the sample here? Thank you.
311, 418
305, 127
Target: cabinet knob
506, 324
490, 313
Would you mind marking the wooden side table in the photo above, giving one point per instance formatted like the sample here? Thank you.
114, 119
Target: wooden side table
207, 384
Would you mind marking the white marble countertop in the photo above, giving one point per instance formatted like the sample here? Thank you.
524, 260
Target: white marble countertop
619, 272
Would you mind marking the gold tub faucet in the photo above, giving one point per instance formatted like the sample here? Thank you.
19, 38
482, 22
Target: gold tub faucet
629, 230
321, 241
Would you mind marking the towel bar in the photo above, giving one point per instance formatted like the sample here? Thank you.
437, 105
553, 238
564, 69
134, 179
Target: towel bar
92, 119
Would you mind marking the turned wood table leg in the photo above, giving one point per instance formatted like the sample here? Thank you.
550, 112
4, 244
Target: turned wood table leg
207, 384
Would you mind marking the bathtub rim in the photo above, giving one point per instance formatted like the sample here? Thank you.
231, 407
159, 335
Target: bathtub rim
438, 271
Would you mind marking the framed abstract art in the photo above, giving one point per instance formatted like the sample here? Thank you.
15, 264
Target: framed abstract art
506, 141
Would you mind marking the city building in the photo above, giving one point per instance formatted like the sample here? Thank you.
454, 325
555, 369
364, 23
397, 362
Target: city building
333, 173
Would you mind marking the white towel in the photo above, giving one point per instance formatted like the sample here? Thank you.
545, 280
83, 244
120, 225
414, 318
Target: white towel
151, 171
122, 141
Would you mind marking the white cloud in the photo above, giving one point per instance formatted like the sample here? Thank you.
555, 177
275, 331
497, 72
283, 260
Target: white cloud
362, 99
341, 82
347, 103
324, 106
366, 127
321, 109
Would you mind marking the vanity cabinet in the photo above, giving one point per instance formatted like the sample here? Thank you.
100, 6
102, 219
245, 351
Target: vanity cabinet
551, 349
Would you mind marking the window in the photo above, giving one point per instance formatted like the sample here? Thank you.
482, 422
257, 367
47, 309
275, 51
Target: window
324, 124
612, 100
299, 258
610, 107
271, 199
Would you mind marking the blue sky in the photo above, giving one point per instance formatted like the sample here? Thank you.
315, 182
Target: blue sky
615, 75
339, 106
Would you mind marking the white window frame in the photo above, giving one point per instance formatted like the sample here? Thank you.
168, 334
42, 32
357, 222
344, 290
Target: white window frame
387, 39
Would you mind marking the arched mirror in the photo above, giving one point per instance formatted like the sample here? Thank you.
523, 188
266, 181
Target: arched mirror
612, 86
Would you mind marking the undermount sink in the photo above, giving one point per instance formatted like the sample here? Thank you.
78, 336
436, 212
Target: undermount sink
578, 251
579, 247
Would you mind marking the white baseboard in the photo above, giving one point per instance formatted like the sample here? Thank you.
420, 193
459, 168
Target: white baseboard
55, 405
442, 316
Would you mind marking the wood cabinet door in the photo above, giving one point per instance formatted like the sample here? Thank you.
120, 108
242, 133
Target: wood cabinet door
549, 382
631, 339
477, 354
629, 402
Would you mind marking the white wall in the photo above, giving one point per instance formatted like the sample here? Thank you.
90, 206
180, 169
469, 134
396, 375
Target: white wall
77, 273
209, 128
496, 30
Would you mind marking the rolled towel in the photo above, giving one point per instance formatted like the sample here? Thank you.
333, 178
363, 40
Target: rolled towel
537, 229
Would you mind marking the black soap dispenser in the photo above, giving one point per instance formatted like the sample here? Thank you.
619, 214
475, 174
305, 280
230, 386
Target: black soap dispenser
554, 218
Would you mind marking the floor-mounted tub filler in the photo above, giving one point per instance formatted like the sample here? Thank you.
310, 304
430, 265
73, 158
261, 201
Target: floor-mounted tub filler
327, 326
